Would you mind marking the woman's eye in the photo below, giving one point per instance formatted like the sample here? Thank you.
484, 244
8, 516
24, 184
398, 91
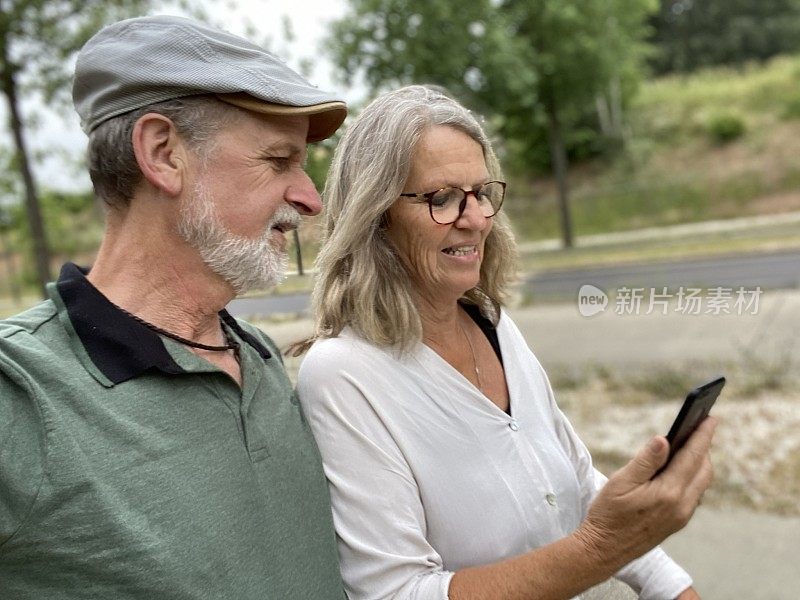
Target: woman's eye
445, 196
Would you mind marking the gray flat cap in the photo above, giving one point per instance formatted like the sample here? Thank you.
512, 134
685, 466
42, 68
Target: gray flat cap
142, 61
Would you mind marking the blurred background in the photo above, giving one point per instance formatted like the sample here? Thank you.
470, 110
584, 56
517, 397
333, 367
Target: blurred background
609, 116
649, 145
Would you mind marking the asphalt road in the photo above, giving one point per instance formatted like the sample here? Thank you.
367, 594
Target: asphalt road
778, 270
263, 306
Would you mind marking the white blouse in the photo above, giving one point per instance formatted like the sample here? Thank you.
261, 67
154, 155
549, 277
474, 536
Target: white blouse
428, 476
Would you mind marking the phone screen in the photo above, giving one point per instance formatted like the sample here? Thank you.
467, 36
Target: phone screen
695, 408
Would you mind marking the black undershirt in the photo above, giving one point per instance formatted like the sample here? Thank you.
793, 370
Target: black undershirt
489, 330
486, 326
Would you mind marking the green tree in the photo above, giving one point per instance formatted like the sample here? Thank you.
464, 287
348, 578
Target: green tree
690, 34
392, 42
73, 221
536, 65
582, 51
37, 40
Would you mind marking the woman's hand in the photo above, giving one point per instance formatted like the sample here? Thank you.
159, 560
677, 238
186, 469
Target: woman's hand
634, 513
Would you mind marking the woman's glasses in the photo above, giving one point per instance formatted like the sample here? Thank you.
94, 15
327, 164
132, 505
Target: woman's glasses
447, 204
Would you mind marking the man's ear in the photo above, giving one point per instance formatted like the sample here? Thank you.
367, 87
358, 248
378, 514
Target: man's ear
160, 152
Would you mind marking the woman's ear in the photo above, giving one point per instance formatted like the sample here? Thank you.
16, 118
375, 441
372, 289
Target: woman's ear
160, 153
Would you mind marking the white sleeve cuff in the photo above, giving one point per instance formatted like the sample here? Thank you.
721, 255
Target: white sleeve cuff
655, 576
428, 586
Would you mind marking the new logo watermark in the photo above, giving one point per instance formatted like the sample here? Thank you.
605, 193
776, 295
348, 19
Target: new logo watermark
591, 300
685, 301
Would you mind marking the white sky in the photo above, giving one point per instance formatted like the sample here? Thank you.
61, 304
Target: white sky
60, 135
309, 21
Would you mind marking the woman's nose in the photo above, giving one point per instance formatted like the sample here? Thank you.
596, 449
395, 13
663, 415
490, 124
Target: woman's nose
472, 216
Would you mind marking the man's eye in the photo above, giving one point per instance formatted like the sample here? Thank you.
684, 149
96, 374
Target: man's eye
281, 163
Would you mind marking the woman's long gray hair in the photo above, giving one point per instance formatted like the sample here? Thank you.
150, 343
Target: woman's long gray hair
361, 280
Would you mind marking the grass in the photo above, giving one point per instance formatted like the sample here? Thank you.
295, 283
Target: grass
756, 87
766, 374
757, 239
747, 379
677, 166
750, 379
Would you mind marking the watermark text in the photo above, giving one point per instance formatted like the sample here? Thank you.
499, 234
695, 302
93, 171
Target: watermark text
684, 300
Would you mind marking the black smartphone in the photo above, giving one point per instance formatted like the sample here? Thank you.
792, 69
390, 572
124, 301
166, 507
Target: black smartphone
695, 408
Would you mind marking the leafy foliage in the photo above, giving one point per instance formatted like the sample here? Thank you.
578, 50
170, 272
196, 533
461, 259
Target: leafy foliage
509, 59
725, 127
792, 109
580, 50
462, 46
39, 37
690, 34
73, 221
37, 40
540, 68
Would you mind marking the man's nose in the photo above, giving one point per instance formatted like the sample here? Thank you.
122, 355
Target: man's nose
303, 196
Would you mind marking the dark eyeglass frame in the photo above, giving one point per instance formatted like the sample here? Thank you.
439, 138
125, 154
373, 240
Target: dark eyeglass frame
463, 204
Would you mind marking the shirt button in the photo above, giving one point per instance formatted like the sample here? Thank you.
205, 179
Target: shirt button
514, 425
551, 499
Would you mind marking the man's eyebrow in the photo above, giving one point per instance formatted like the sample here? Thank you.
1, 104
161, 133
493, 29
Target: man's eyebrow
282, 148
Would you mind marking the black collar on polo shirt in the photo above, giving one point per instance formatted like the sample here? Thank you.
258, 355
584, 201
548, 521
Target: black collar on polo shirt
119, 346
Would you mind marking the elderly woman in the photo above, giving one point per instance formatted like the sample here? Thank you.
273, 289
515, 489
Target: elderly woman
453, 474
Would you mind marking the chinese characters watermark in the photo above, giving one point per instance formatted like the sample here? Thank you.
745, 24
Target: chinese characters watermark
685, 301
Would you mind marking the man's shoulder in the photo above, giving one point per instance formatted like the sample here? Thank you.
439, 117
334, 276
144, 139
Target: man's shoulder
29, 345
27, 323
259, 335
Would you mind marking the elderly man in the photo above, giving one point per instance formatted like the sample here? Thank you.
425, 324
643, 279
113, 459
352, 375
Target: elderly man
150, 444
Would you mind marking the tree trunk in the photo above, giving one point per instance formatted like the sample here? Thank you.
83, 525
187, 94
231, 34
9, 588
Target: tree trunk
558, 156
11, 270
298, 252
40, 248
603, 114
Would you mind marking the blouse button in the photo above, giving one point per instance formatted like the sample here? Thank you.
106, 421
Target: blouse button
514, 425
551, 499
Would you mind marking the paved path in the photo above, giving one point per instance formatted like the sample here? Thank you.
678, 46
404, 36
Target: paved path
739, 554
561, 336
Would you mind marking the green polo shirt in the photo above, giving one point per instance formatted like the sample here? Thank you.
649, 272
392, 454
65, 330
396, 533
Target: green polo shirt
131, 468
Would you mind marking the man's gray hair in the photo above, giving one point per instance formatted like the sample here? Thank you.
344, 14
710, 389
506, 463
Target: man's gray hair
361, 281
110, 157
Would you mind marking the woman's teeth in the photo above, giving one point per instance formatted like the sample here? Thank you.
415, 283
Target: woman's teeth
459, 250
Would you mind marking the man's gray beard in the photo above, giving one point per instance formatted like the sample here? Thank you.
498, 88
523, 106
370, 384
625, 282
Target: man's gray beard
245, 263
